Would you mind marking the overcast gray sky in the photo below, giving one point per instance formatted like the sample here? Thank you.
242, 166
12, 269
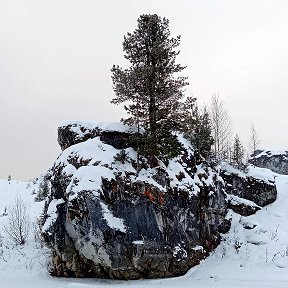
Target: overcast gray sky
56, 55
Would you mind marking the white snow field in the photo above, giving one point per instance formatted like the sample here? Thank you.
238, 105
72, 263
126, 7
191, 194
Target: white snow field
253, 254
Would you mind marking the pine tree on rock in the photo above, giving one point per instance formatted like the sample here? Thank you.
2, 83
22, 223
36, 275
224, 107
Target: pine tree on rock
149, 88
43, 190
203, 133
197, 127
190, 117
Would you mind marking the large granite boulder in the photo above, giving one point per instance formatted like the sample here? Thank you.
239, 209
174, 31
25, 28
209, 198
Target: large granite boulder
276, 161
111, 215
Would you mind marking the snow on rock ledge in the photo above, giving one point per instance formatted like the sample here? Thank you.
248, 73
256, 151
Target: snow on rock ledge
74, 132
115, 223
274, 160
256, 185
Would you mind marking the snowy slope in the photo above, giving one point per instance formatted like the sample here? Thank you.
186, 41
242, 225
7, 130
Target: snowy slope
254, 254
255, 257
13, 258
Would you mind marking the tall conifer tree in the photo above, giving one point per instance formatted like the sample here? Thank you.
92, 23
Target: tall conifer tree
149, 87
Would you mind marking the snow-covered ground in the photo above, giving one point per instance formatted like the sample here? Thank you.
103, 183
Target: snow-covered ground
254, 253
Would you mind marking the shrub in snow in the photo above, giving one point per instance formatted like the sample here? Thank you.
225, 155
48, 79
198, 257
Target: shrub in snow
17, 228
121, 156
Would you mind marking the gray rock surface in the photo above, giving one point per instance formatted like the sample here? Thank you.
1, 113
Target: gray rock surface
105, 219
276, 161
261, 192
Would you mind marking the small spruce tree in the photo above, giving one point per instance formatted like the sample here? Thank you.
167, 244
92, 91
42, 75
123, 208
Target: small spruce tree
197, 127
190, 118
203, 134
238, 152
43, 190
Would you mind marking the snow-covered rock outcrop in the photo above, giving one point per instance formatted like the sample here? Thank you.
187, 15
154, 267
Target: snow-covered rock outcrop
103, 219
274, 160
115, 215
248, 191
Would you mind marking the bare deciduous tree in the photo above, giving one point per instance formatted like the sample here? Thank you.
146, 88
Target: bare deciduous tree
221, 127
253, 142
18, 222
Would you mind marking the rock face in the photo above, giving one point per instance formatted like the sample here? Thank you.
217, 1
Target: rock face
103, 219
276, 161
258, 192
115, 215
115, 134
